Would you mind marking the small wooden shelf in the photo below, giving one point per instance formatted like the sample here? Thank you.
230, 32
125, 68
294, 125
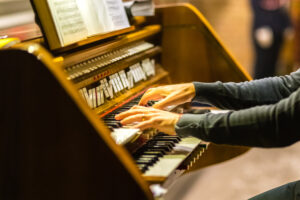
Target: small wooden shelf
79, 56
93, 38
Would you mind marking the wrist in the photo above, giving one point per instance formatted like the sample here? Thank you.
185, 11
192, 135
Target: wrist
174, 124
191, 91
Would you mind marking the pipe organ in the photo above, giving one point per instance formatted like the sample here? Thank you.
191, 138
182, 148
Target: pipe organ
59, 137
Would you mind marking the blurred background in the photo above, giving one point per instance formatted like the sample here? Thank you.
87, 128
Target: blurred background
259, 34
17, 20
234, 22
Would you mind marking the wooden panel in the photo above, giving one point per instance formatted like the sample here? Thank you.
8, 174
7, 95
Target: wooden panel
192, 51
216, 154
52, 145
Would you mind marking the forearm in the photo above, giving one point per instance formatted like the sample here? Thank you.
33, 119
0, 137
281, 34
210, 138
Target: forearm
262, 126
247, 94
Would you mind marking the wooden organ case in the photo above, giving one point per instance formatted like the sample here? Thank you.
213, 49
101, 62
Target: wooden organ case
55, 140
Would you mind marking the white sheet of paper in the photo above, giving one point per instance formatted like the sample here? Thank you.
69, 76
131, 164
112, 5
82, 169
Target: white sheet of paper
76, 20
117, 14
68, 21
90, 16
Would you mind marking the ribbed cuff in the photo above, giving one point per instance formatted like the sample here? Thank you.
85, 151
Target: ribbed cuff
190, 125
205, 90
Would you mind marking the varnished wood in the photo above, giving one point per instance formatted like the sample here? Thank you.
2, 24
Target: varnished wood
192, 51
216, 154
48, 28
94, 38
78, 56
64, 151
53, 146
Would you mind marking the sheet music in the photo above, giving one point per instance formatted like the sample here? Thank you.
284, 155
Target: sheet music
90, 15
141, 7
104, 19
68, 21
76, 20
113, 14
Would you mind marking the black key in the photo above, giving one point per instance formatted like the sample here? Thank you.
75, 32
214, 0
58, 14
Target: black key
142, 167
165, 139
168, 138
151, 103
150, 156
156, 149
156, 153
168, 145
165, 142
149, 160
113, 124
161, 143
144, 163
157, 146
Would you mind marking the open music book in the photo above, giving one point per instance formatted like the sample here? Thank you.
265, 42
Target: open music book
140, 7
69, 21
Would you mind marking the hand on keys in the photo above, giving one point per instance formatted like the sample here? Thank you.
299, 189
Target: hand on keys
148, 117
169, 95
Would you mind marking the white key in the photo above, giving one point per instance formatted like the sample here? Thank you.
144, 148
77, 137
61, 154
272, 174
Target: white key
87, 97
124, 135
82, 94
98, 91
102, 94
135, 77
153, 67
104, 88
91, 98
109, 88
137, 72
169, 162
142, 72
119, 81
113, 83
130, 79
121, 74
105, 82
125, 79
146, 67
94, 97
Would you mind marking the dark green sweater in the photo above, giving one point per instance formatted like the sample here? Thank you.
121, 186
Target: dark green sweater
265, 113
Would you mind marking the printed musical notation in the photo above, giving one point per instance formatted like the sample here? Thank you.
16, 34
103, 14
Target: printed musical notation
76, 20
68, 20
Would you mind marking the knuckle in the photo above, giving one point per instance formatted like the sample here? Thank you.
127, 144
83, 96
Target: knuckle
148, 92
155, 120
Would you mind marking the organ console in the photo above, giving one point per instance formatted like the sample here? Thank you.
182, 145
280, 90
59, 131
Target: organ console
59, 138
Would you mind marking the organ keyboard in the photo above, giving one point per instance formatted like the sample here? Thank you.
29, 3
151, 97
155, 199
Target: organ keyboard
60, 106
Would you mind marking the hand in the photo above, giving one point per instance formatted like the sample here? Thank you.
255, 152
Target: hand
149, 117
169, 95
